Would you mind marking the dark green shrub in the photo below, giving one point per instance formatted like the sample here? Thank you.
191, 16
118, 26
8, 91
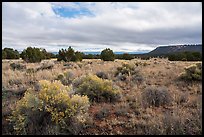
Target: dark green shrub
47, 55
32, 55
156, 96
4, 54
124, 56
9, 53
96, 89
78, 56
69, 55
127, 56
107, 55
185, 56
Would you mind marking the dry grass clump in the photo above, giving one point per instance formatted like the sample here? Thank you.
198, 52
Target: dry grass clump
13, 78
96, 89
48, 74
46, 65
103, 113
135, 102
182, 98
182, 122
122, 109
156, 96
50, 111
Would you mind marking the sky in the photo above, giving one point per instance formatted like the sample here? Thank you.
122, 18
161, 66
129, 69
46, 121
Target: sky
94, 26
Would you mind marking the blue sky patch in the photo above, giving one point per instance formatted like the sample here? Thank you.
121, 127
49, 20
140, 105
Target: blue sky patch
72, 13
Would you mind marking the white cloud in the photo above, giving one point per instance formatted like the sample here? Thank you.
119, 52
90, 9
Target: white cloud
131, 26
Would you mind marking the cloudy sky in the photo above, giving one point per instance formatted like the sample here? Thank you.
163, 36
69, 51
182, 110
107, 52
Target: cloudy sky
89, 26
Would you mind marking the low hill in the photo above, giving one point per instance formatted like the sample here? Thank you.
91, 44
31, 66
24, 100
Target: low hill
163, 50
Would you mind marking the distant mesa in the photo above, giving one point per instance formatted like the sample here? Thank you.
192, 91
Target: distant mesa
162, 50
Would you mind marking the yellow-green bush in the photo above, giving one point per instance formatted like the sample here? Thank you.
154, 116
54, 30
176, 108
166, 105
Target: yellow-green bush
193, 72
50, 111
96, 89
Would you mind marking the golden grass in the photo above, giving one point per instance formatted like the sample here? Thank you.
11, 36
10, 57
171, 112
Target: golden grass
187, 97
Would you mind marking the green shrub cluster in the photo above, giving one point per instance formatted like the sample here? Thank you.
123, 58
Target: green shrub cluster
52, 110
107, 55
96, 89
193, 72
156, 96
47, 55
185, 56
9, 53
33, 55
69, 55
124, 56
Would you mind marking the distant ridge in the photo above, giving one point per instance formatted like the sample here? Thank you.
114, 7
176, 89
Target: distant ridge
163, 50
99, 52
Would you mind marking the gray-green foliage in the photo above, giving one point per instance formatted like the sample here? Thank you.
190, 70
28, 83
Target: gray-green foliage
193, 72
156, 96
127, 70
66, 78
102, 75
46, 65
16, 66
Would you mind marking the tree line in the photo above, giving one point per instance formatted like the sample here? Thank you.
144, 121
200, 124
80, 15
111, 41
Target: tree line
185, 56
33, 55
